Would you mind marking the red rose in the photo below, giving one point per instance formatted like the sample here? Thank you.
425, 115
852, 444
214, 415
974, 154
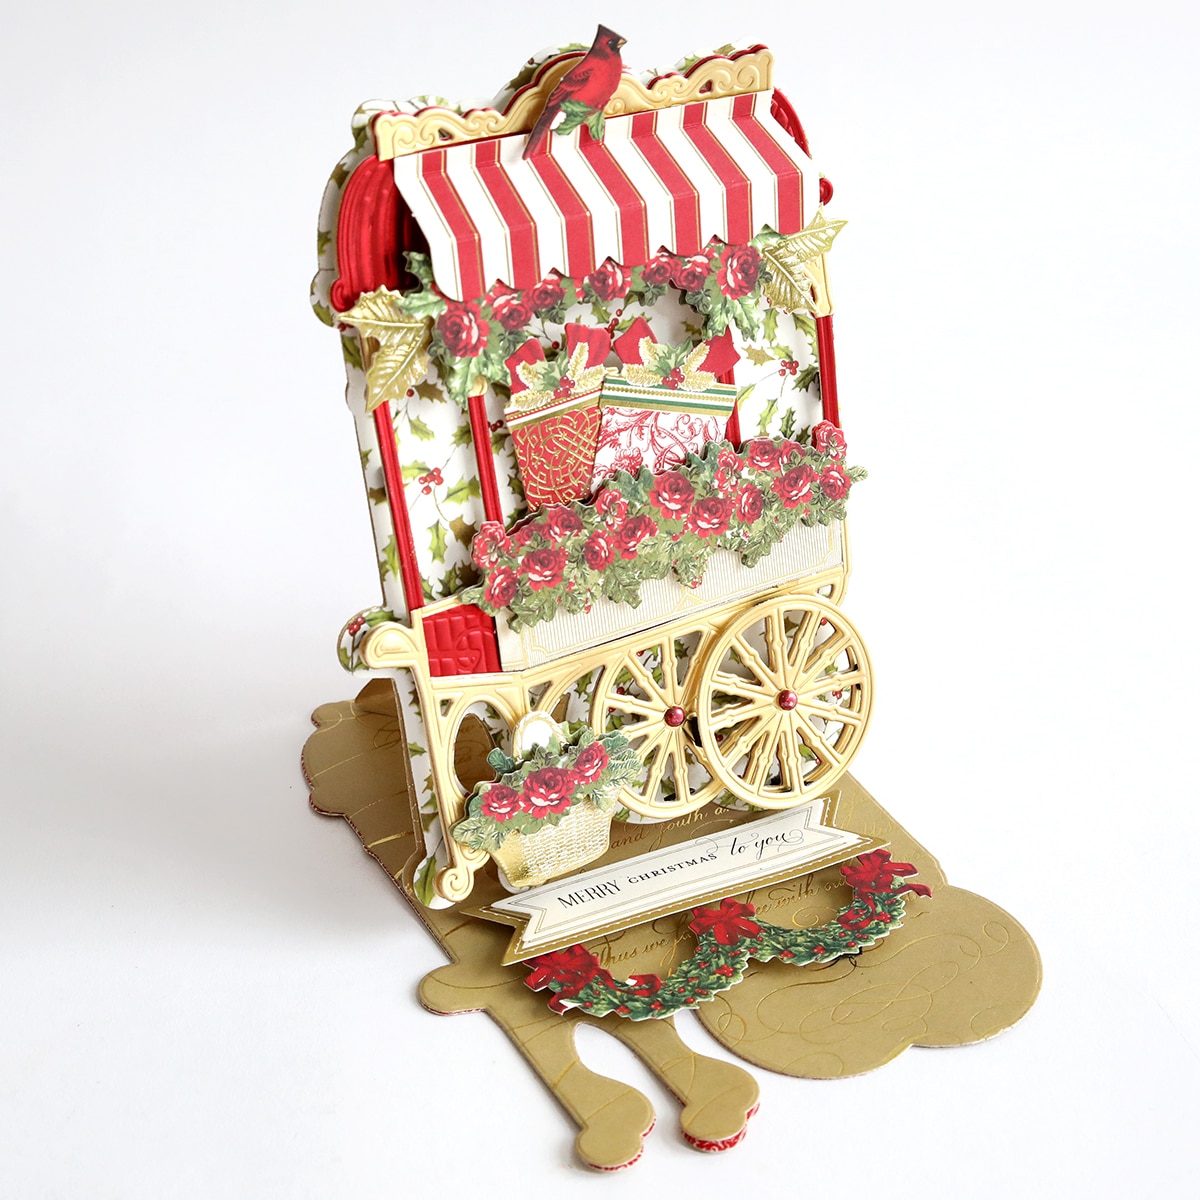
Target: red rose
729, 924
463, 329
738, 272
597, 551
611, 505
524, 534
632, 533
709, 516
572, 969
501, 587
609, 281
728, 461
794, 487
488, 545
547, 295
672, 495
543, 567
560, 521
789, 450
591, 761
512, 310
690, 273
762, 454
834, 482
658, 270
829, 439
549, 790
499, 801
749, 504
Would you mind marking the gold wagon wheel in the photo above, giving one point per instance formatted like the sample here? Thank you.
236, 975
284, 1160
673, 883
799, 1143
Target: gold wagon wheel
784, 700
648, 693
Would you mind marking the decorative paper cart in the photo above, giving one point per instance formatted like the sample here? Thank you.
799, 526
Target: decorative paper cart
748, 684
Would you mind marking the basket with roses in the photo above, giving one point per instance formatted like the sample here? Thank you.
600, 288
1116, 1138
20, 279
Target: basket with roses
648, 526
549, 812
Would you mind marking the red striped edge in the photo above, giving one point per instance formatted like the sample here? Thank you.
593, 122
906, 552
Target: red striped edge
721, 1144
467, 245
481, 435
519, 222
622, 1166
393, 479
630, 203
576, 216
789, 182
684, 196
735, 183
828, 367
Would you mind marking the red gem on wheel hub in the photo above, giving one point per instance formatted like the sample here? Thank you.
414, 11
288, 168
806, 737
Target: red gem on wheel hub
787, 700
674, 716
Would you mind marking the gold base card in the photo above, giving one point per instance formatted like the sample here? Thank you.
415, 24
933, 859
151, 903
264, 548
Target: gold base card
959, 970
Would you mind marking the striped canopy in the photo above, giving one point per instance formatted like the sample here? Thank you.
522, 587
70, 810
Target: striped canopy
671, 179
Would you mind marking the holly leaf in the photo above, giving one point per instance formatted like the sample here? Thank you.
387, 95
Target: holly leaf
389, 564
463, 490
758, 356
428, 390
377, 495
790, 287
420, 429
462, 531
411, 471
437, 542
400, 360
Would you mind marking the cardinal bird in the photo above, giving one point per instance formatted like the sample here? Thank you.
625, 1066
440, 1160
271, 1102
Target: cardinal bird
582, 92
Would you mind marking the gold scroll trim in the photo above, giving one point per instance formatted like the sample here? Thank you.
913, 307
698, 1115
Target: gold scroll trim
398, 134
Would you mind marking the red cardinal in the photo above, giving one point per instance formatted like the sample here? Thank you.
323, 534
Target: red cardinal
583, 91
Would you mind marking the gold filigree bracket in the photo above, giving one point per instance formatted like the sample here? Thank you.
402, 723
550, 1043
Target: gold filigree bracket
398, 134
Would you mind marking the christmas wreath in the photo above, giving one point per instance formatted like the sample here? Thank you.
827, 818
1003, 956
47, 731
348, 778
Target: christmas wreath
727, 938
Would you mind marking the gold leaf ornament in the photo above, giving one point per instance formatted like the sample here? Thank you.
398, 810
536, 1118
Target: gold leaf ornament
394, 344
797, 265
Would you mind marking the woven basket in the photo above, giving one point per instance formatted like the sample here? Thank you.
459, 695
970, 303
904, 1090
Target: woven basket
532, 858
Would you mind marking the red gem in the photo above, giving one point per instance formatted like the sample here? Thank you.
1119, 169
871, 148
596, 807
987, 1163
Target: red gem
674, 716
787, 700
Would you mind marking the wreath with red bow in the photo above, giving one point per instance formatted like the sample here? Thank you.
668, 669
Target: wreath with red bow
727, 938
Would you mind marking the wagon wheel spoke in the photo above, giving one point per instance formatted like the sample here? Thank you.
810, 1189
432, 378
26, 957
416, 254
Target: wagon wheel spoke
642, 677
735, 747
832, 712
752, 661
802, 640
735, 685
656, 769
761, 755
776, 640
818, 744
791, 765
633, 707
825, 653
839, 681
741, 712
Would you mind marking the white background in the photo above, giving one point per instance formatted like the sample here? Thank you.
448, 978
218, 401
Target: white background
208, 991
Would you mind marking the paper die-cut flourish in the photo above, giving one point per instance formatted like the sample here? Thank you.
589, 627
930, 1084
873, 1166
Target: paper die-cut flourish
727, 938
650, 526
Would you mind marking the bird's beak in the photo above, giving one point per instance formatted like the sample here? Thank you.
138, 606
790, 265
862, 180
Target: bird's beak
620, 42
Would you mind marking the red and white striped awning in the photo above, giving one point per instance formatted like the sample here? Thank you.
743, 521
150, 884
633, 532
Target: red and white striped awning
671, 179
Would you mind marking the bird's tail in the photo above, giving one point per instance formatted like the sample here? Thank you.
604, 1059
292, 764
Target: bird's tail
541, 127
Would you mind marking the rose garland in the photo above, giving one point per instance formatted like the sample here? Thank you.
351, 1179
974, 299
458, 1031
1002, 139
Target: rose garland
648, 526
727, 938
471, 339
542, 788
